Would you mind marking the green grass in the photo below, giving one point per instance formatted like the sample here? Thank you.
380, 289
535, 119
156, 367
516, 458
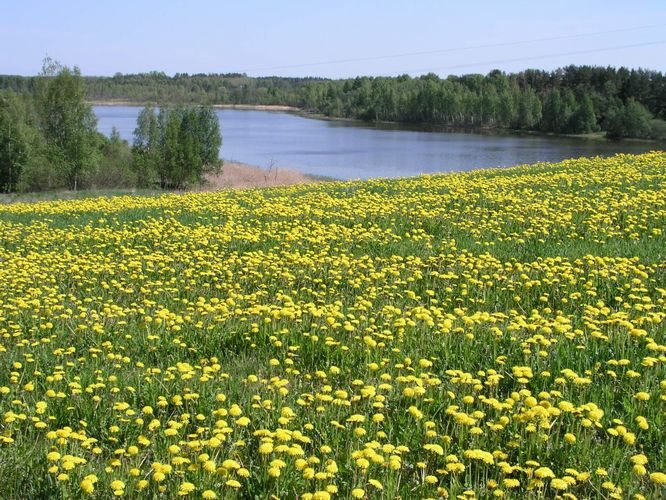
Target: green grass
56, 195
495, 310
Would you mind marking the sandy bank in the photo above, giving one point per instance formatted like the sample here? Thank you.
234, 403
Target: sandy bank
239, 175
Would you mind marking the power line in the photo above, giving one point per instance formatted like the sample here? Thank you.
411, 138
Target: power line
528, 58
454, 49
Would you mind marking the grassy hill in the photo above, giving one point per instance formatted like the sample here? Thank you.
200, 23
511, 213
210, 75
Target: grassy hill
491, 333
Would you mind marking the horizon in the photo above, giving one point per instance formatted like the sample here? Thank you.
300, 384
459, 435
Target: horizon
345, 40
232, 74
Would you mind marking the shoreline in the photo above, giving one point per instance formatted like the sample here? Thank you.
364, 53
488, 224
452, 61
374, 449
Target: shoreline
248, 107
234, 176
388, 125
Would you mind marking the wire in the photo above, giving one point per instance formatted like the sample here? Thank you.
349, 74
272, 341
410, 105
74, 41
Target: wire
453, 49
527, 58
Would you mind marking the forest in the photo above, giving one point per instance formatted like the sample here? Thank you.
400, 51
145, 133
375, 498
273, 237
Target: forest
619, 102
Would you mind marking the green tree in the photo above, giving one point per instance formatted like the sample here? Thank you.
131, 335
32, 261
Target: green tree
658, 130
584, 119
181, 144
529, 110
23, 163
629, 120
146, 151
507, 108
13, 142
68, 122
115, 169
171, 169
146, 132
209, 138
552, 112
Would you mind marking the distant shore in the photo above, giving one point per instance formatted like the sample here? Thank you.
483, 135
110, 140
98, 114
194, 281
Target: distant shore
255, 107
593, 136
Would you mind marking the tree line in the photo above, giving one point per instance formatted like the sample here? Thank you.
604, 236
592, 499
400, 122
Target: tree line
572, 100
156, 87
49, 140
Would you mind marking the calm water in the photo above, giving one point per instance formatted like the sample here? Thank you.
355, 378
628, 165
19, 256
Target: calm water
351, 151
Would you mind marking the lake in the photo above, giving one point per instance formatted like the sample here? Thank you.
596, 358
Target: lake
351, 150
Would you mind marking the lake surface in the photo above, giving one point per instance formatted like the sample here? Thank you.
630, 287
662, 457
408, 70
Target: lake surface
349, 150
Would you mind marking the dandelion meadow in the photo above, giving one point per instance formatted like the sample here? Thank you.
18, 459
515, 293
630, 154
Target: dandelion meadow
498, 333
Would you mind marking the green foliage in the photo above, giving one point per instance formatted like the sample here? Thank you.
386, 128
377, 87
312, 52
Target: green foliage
630, 120
115, 169
68, 123
584, 119
38, 174
230, 88
13, 142
658, 130
572, 100
23, 161
178, 147
529, 110
48, 140
145, 151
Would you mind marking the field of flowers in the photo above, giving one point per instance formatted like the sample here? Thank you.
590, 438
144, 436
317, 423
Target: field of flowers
498, 333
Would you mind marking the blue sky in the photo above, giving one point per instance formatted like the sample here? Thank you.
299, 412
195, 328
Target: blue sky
303, 38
